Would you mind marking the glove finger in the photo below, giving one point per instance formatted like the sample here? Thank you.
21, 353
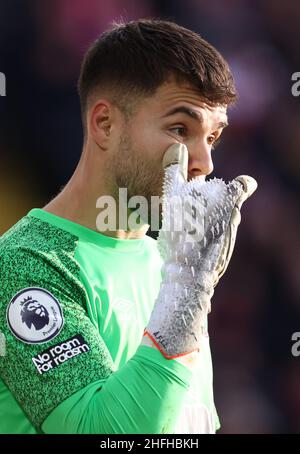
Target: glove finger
249, 185
175, 163
227, 250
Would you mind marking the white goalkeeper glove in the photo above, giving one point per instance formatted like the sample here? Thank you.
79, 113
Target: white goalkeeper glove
194, 258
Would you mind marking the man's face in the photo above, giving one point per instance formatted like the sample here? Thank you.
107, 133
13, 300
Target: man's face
175, 113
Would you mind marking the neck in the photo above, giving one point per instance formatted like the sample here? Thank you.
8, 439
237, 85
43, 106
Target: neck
77, 201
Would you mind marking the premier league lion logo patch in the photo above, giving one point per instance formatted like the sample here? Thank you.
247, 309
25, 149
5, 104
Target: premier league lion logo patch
34, 316
33, 313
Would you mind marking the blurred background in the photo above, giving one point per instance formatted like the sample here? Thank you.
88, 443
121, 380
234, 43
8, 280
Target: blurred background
257, 307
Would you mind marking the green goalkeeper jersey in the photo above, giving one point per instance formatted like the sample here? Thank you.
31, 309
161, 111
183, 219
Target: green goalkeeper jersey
73, 307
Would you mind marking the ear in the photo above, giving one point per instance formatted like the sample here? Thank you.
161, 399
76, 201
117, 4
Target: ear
100, 121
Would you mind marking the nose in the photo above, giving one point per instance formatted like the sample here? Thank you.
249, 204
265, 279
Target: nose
200, 161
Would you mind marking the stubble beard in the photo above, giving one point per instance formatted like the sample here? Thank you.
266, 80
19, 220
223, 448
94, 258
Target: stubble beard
140, 176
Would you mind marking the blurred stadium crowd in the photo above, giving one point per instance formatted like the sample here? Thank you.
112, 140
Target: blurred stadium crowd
256, 307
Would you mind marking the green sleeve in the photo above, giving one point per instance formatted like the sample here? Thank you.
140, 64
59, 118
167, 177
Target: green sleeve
144, 396
42, 375
78, 390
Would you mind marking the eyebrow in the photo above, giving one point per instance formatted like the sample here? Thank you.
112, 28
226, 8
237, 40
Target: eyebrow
192, 114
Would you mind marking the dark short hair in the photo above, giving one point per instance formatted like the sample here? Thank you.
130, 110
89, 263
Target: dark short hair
135, 58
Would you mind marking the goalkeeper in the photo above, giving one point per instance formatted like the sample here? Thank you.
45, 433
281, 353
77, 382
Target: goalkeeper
106, 331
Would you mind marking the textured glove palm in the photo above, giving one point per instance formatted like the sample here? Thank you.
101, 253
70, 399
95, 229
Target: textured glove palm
199, 225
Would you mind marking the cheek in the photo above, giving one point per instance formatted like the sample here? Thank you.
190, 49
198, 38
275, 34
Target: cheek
151, 142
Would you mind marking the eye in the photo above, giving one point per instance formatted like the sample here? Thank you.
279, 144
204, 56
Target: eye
180, 131
213, 142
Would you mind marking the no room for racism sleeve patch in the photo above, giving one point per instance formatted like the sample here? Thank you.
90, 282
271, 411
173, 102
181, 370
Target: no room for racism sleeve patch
59, 354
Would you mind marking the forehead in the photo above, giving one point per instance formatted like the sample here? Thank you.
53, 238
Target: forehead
172, 94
